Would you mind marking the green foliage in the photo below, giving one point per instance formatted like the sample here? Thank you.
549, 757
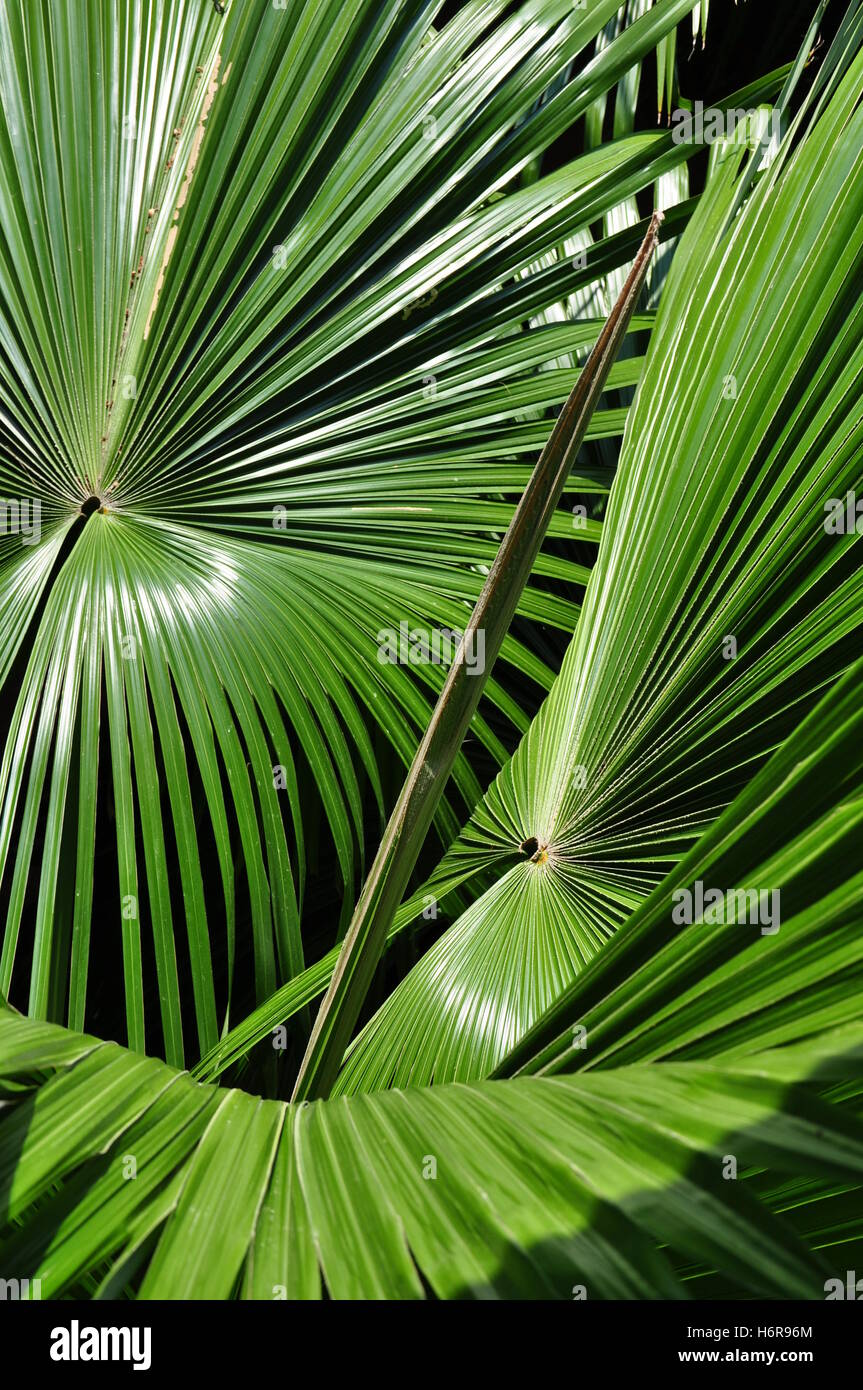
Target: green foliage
524, 1188
281, 347
287, 311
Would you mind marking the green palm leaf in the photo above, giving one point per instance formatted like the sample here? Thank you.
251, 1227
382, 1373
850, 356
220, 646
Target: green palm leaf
664, 989
290, 299
279, 360
121, 1168
718, 608
566, 1184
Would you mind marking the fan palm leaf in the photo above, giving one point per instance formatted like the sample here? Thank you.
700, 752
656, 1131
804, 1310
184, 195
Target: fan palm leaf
554, 1188
720, 605
270, 390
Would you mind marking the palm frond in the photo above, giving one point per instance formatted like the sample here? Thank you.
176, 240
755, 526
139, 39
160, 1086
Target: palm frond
719, 608
278, 359
114, 1168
